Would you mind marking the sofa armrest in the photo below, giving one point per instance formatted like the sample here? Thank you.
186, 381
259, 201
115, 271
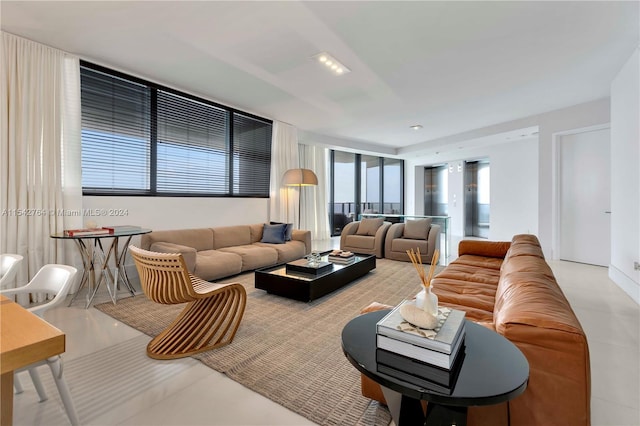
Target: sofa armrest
484, 248
395, 231
380, 239
349, 229
188, 253
433, 240
304, 236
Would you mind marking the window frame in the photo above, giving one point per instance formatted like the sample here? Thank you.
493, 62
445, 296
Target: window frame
154, 88
358, 186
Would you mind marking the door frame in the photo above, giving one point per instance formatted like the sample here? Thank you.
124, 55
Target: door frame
555, 182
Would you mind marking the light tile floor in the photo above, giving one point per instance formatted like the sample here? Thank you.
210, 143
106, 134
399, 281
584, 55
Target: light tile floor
187, 393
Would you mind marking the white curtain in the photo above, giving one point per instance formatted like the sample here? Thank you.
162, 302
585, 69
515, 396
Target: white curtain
314, 210
40, 161
283, 201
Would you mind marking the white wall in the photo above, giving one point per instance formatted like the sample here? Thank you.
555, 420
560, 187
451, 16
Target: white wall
625, 177
162, 213
514, 186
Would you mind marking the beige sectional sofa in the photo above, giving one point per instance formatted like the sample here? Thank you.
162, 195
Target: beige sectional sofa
213, 253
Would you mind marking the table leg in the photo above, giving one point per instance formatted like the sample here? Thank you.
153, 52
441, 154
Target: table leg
86, 266
106, 272
6, 401
405, 411
441, 415
121, 265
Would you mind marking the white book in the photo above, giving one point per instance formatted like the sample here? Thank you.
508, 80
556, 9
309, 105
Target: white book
442, 338
428, 356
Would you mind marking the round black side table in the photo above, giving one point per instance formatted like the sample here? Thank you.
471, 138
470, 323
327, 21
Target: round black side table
493, 371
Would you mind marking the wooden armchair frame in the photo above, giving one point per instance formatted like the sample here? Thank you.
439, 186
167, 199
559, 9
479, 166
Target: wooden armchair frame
210, 319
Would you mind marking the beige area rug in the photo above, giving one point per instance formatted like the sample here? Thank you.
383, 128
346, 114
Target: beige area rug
290, 351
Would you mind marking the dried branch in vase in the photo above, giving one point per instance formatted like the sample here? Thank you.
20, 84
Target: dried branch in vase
416, 261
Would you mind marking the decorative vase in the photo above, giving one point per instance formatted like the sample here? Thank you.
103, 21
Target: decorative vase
427, 301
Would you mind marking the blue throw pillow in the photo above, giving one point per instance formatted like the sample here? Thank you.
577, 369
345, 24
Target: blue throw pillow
288, 229
274, 234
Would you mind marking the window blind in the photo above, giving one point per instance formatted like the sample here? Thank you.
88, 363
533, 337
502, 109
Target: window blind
115, 133
192, 146
251, 155
140, 137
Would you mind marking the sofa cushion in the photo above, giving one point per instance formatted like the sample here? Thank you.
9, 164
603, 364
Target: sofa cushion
360, 242
287, 252
274, 234
470, 274
369, 226
254, 256
525, 245
496, 249
256, 232
288, 230
404, 244
480, 261
417, 229
229, 236
215, 264
188, 253
199, 239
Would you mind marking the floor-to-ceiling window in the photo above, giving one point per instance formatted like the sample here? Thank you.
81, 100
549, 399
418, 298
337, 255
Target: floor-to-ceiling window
477, 198
370, 184
392, 194
343, 183
436, 191
363, 184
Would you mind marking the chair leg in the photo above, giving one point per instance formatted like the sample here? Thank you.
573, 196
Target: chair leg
203, 325
35, 378
17, 384
55, 364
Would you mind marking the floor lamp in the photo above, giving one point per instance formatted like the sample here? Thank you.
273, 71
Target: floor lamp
299, 178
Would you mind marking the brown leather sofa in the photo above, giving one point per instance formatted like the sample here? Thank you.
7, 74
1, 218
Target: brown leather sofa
509, 288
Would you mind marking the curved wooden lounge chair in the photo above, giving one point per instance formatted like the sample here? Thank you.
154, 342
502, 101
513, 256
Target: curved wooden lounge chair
211, 318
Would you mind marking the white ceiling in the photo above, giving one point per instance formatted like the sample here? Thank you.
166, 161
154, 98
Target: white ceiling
450, 66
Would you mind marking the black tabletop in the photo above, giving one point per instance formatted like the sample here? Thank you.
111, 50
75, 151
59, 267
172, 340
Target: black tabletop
493, 371
123, 233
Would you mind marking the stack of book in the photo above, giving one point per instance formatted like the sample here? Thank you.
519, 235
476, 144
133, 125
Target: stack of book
341, 257
85, 232
430, 359
121, 228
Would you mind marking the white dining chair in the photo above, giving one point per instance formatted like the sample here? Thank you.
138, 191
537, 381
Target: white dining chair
51, 279
9, 264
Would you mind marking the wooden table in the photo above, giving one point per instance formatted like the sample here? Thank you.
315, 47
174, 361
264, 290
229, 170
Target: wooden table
25, 338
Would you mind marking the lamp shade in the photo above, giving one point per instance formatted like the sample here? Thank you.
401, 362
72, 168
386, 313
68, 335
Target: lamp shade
299, 177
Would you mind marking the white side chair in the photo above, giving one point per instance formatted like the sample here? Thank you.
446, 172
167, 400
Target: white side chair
51, 279
9, 264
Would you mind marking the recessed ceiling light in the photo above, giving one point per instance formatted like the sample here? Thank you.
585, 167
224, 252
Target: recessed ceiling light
416, 127
332, 63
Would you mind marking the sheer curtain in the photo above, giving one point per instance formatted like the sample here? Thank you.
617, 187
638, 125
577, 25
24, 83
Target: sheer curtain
41, 188
283, 201
314, 210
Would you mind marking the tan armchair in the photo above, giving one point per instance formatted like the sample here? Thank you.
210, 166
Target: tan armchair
366, 236
413, 234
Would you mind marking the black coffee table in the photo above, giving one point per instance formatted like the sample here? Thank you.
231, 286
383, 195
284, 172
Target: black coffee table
493, 371
307, 287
